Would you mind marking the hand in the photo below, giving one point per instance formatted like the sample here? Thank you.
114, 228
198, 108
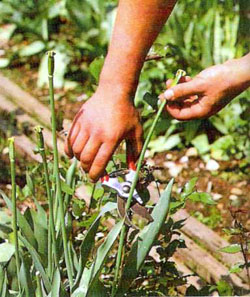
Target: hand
102, 123
207, 93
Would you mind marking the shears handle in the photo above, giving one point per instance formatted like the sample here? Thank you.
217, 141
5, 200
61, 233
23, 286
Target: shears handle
131, 166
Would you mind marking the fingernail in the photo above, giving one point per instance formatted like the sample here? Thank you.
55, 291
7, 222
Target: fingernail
169, 94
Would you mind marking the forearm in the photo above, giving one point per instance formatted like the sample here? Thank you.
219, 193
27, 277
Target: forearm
244, 71
137, 25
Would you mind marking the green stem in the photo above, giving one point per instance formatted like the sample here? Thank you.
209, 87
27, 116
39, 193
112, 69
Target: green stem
179, 74
51, 64
14, 207
119, 259
70, 180
52, 233
39, 292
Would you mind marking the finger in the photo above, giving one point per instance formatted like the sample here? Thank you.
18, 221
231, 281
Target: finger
184, 90
74, 130
89, 152
79, 143
190, 110
134, 146
101, 160
169, 82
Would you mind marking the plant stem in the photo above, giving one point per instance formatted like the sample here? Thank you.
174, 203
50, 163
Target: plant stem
38, 286
118, 259
70, 180
14, 209
52, 233
179, 74
51, 64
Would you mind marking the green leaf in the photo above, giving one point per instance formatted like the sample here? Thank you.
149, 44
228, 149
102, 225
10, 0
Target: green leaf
189, 186
236, 268
37, 262
56, 284
96, 66
162, 143
6, 32
144, 242
231, 249
4, 62
7, 250
151, 100
22, 222
3, 288
202, 197
201, 143
66, 188
32, 49
219, 124
224, 288
89, 239
25, 278
191, 128
101, 255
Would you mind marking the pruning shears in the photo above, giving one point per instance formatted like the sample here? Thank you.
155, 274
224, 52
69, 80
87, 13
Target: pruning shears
122, 188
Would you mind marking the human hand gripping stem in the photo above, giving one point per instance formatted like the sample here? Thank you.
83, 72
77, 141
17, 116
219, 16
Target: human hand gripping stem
109, 116
98, 128
209, 91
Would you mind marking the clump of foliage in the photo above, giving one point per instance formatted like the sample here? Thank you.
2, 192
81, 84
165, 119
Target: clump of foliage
38, 253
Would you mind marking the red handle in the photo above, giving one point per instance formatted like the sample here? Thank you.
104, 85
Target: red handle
131, 163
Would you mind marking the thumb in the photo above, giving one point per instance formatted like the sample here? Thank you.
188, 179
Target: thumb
184, 90
134, 147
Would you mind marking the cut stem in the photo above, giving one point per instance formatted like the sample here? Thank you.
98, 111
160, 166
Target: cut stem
12, 158
51, 233
179, 74
51, 63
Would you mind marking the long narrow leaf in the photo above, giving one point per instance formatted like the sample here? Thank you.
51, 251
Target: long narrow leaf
144, 242
89, 239
25, 278
22, 222
37, 262
102, 253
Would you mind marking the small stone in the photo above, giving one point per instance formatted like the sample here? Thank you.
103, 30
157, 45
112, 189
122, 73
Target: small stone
174, 171
220, 206
184, 159
202, 166
236, 191
212, 165
5, 151
173, 168
216, 196
233, 197
150, 162
169, 164
192, 152
169, 156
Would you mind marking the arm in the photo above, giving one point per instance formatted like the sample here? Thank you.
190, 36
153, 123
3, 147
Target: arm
109, 115
209, 91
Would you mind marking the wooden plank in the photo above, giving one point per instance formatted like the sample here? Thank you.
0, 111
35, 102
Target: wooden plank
192, 279
205, 265
23, 99
26, 148
211, 240
22, 118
